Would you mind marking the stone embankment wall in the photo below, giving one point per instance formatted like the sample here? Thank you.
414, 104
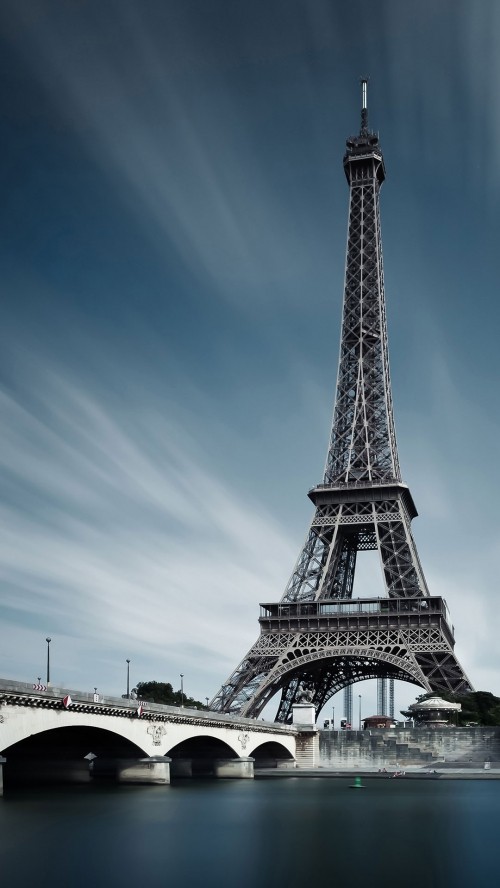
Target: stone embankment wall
391, 748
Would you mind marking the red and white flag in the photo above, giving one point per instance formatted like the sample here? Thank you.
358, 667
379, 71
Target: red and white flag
140, 709
67, 701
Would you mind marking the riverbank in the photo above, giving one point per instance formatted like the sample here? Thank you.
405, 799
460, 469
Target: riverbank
417, 774
405, 748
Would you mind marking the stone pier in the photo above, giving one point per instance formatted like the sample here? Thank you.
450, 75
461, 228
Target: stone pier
234, 768
154, 769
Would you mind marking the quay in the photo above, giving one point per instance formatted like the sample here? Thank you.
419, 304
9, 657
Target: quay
452, 773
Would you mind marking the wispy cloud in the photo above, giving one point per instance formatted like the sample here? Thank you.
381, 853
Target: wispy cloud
115, 529
180, 151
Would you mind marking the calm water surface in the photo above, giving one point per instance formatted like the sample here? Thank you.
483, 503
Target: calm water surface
293, 832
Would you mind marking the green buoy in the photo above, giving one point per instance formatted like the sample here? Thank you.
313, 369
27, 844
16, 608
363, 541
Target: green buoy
357, 784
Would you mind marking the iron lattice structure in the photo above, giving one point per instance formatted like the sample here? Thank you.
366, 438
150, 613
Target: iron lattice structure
318, 637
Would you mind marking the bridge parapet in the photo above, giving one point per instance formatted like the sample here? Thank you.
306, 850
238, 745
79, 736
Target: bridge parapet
18, 693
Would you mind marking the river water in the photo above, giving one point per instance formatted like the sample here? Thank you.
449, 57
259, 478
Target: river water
254, 834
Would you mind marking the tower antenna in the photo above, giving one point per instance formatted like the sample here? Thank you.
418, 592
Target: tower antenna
364, 105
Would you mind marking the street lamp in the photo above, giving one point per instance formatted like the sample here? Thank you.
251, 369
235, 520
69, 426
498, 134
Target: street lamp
128, 679
359, 697
182, 689
333, 718
206, 698
48, 640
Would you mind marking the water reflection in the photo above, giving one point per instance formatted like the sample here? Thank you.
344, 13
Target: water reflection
253, 834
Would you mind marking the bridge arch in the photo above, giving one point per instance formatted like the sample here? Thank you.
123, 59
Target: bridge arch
61, 755
30, 722
75, 739
271, 754
197, 756
203, 745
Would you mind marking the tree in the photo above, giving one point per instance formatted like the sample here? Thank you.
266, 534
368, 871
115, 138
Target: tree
163, 692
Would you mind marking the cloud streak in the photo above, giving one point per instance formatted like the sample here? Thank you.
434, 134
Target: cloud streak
180, 152
137, 552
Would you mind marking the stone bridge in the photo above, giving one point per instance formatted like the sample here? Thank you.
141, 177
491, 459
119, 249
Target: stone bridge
71, 736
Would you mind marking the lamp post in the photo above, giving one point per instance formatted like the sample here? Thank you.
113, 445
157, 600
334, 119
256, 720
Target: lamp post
333, 718
128, 679
182, 689
359, 697
48, 640
206, 698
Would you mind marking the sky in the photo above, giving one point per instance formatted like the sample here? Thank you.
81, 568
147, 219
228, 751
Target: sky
173, 229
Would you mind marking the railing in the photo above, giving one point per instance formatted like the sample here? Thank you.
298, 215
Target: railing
382, 606
347, 485
15, 691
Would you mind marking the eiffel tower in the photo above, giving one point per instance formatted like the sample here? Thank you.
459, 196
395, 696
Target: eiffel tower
318, 637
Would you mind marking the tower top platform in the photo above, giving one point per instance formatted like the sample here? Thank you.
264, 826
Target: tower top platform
366, 144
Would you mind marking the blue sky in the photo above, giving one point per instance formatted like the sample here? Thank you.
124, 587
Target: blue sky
173, 224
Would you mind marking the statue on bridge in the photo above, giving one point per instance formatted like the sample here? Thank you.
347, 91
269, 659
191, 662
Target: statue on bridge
304, 694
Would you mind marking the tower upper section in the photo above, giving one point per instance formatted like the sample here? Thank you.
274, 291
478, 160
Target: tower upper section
363, 441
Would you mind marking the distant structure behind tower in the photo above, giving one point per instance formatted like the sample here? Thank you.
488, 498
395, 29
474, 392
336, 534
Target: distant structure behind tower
348, 704
385, 697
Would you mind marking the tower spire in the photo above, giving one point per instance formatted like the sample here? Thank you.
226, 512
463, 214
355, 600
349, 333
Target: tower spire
364, 106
